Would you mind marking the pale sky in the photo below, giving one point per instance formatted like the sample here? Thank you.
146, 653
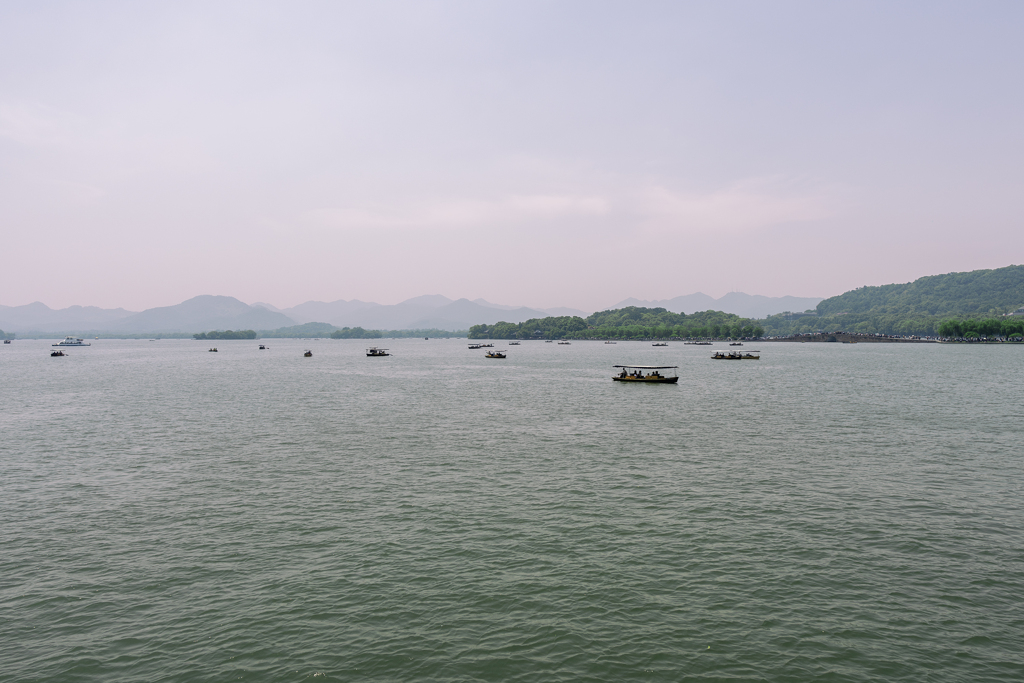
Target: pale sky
535, 153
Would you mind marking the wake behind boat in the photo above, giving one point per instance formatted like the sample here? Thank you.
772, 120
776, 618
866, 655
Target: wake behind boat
71, 341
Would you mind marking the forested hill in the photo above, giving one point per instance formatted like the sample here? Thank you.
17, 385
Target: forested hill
918, 307
975, 293
632, 322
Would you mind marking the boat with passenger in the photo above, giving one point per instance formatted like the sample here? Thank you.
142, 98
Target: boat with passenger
213, 350
307, 354
660, 344
72, 341
56, 354
650, 374
564, 343
7, 341
513, 343
373, 352
494, 354
736, 355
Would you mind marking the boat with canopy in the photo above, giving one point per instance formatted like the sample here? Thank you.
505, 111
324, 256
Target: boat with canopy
646, 373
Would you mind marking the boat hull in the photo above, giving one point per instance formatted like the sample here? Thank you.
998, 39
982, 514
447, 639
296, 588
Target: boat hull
648, 380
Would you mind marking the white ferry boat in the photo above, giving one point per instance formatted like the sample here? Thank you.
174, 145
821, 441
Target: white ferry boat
71, 341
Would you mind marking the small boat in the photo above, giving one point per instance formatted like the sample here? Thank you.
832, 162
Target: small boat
487, 346
659, 344
374, 351
426, 338
307, 354
736, 355
55, 354
611, 342
635, 373
213, 350
71, 341
513, 343
736, 344
7, 341
564, 342
473, 347
494, 354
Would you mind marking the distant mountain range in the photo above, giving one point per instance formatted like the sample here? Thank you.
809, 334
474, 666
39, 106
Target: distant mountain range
432, 311
204, 313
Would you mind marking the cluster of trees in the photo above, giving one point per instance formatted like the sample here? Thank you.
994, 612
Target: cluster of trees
226, 334
1007, 328
356, 333
328, 330
780, 325
431, 332
555, 327
632, 322
300, 331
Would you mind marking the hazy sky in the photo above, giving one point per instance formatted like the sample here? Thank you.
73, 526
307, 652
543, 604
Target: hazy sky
537, 153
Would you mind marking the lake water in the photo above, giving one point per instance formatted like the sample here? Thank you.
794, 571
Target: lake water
831, 512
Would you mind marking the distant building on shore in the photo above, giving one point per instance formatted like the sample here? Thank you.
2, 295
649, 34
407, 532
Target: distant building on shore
1019, 311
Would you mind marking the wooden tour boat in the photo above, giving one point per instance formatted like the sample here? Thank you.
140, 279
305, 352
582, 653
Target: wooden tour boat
635, 373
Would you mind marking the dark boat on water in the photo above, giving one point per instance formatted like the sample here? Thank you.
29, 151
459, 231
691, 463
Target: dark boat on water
736, 355
635, 373
307, 354
374, 351
494, 354
213, 350
55, 354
